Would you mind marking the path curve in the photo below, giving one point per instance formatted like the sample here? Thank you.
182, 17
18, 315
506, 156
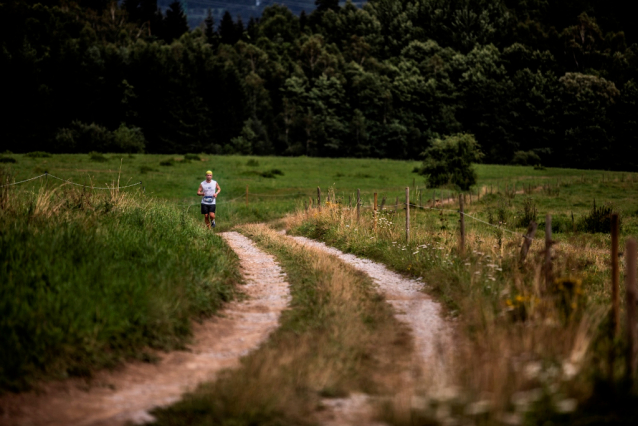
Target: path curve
432, 335
127, 395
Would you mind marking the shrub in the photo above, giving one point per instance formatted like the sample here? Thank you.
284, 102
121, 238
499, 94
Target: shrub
528, 214
7, 160
277, 172
38, 154
192, 157
267, 174
128, 139
598, 220
167, 162
146, 169
98, 157
252, 163
525, 158
449, 161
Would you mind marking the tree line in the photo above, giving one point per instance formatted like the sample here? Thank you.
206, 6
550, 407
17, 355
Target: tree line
533, 81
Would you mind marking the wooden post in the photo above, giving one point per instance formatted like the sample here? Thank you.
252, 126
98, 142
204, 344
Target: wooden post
382, 204
631, 296
246, 195
358, 203
548, 251
527, 240
319, 198
462, 239
615, 297
434, 198
374, 211
349, 201
396, 205
407, 214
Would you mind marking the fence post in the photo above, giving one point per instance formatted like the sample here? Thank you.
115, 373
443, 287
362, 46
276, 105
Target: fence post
382, 203
548, 251
433, 198
246, 195
319, 198
374, 211
407, 214
349, 201
615, 297
396, 205
358, 203
462, 240
527, 240
631, 295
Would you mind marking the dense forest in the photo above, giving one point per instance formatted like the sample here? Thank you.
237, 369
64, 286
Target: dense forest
535, 81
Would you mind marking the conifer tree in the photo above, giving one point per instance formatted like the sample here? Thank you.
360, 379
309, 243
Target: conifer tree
175, 22
227, 29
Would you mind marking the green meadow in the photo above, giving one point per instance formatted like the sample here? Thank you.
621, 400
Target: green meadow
277, 185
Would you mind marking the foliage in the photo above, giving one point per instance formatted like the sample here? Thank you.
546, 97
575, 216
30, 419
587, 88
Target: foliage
598, 219
4, 159
38, 154
528, 213
449, 161
97, 157
551, 79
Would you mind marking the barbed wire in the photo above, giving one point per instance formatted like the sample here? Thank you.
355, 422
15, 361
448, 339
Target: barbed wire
22, 181
70, 182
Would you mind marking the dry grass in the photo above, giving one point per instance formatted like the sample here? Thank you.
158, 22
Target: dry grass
337, 337
524, 349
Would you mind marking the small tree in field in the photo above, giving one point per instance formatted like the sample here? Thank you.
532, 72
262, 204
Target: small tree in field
449, 161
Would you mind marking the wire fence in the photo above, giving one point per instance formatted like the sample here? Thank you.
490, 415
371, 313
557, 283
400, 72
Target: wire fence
70, 182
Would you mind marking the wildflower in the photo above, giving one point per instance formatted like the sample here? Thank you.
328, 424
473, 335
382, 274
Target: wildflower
416, 252
467, 264
566, 405
479, 407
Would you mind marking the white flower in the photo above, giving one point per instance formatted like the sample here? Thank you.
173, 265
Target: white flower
532, 370
479, 407
569, 370
418, 403
566, 405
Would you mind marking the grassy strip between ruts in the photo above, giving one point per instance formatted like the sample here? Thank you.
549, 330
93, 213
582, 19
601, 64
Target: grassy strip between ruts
526, 353
89, 279
337, 337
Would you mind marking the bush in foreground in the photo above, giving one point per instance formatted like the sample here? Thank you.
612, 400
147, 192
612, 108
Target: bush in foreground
89, 280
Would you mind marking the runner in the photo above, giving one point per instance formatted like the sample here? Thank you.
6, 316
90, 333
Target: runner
209, 190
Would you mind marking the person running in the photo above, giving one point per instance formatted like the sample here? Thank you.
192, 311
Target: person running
209, 190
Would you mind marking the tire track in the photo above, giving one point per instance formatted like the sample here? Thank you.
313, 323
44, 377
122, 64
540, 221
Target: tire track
127, 395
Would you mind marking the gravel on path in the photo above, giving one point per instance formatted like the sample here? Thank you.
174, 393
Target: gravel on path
128, 394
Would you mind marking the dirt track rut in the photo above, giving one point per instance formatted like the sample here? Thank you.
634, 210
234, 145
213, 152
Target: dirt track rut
127, 395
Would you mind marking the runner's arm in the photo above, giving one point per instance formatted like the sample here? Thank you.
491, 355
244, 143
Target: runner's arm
200, 191
218, 190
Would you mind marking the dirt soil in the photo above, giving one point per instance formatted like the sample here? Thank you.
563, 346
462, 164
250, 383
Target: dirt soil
129, 393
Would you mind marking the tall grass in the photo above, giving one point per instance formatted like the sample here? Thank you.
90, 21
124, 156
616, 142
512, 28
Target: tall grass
89, 279
337, 337
525, 351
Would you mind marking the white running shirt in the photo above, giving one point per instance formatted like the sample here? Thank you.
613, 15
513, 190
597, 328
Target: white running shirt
209, 192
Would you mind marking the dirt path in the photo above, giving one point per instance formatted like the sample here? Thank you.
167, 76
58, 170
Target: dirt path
127, 395
432, 336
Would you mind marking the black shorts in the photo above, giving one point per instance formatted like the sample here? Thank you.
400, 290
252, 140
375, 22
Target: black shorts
208, 208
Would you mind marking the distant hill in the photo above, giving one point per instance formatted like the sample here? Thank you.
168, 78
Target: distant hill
196, 10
